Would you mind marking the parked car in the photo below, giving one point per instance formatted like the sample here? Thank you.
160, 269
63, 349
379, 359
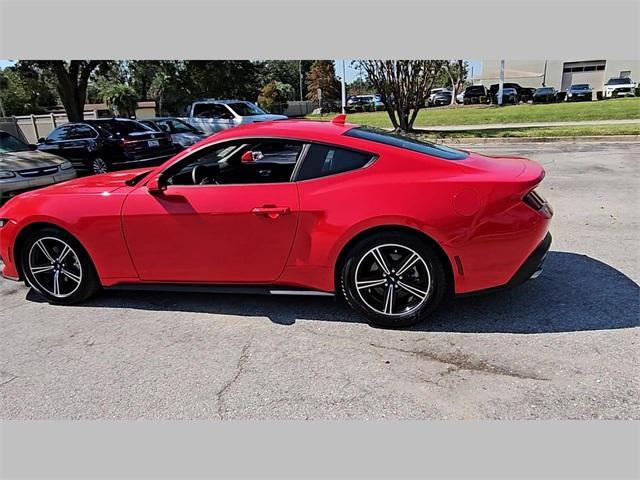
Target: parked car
182, 134
619, 87
476, 94
108, 144
525, 94
545, 95
360, 103
580, 91
210, 116
509, 95
441, 98
290, 207
23, 168
433, 93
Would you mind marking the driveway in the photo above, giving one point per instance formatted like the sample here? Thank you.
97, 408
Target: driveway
563, 346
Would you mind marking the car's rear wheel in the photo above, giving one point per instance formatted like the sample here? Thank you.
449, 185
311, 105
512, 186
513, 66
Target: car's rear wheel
395, 279
55, 264
98, 165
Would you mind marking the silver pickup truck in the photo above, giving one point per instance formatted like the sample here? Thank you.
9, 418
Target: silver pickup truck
211, 116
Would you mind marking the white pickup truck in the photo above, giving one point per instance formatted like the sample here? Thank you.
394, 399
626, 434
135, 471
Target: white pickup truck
619, 87
211, 116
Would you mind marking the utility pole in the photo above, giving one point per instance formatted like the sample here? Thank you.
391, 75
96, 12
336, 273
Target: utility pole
544, 75
501, 84
300, 75
344, 88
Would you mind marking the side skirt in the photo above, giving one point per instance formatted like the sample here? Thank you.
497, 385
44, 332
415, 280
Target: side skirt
198, 288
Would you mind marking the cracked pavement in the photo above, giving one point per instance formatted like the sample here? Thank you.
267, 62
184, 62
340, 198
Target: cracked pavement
564, 346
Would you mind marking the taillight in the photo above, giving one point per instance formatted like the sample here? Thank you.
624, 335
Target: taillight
534, 200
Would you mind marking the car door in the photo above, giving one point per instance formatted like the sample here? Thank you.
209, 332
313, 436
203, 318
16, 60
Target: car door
81, 144
55, 140
239, 230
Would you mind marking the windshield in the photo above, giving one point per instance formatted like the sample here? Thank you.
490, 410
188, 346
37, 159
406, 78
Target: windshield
173, 125
121, 128
582, 86
618, 81
246, 109
9, 143
544, 90
406, 143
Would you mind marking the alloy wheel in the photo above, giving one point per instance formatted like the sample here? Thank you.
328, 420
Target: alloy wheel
55, 267
393, 279
99, 165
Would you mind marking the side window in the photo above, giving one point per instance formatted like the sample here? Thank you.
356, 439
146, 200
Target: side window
81, 132
59, 134
323, 160
239, 162
212, 110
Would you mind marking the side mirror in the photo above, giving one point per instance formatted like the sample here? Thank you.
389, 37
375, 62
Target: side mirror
42, 140
155, 186
250, 157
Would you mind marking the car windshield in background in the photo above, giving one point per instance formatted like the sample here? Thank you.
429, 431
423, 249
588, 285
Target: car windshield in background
510, 91
175, 126
246, 109
582, 86
406, 143
545, 90
618, 81
9, 143
475, 89
120, 128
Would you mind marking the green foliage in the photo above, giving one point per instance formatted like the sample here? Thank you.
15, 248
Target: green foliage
288, 72
274, 95
322, 75
121, 99
25, 92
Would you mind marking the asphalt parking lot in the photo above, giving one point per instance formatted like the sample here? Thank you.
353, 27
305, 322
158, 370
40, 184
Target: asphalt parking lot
563, 346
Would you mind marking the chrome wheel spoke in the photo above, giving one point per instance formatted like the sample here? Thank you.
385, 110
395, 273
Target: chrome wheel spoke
413, 290
388, 301
370, 283
43, 249
56, 284
45, 268
380, 260
72, 276
411, 261
65, 252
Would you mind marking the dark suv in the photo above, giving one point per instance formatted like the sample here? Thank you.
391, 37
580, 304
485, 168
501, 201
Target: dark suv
108, 144
476, 94
525, 94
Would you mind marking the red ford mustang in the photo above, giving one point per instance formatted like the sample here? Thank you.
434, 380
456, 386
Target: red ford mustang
390, 223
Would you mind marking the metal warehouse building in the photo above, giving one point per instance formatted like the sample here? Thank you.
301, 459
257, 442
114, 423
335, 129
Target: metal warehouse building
560, 74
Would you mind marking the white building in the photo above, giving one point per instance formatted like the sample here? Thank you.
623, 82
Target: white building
560, 74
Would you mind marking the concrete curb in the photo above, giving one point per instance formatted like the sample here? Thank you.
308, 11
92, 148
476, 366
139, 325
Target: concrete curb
510, 140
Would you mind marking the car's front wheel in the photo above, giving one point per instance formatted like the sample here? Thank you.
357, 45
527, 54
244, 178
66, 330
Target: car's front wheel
99, 165
55, 264
395, 279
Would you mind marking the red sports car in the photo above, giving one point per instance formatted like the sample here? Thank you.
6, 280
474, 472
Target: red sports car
390, 223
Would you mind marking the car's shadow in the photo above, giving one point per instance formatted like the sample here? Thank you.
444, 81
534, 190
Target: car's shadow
574, 293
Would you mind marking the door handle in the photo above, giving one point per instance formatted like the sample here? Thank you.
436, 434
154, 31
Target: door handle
271, 211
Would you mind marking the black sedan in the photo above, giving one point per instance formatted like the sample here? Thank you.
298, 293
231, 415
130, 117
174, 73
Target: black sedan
441, 98
580, 91
545, 95
108, 144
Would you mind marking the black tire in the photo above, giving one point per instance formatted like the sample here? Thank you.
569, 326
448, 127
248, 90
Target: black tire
76, 263
98, 165
409, 312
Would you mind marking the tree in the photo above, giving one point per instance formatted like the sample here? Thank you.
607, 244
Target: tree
121, 99
456, 71
275, 94
403, 86
322, 75
361, 86
72, 79
25, 92
287, 71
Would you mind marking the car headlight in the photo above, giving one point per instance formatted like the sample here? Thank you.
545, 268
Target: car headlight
66, 165
6, 174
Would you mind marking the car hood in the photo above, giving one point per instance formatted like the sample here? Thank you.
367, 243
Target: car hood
99, 184
16, 161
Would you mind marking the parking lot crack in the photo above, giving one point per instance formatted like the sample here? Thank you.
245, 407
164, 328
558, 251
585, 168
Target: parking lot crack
242, 361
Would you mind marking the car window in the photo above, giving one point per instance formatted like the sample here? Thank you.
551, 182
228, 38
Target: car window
9, 143
152, 125
618, 81
245, 109
59, 134
212, 110
406, 143
239, 162
121, 128
81, 132
324, 160
175, 126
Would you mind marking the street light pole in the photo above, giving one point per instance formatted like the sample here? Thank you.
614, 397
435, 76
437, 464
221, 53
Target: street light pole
501, 84
300, 75
344, 88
